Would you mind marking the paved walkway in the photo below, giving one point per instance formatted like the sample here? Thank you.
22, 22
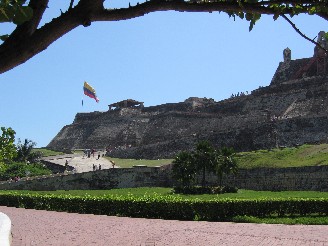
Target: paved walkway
80, 162
44, 228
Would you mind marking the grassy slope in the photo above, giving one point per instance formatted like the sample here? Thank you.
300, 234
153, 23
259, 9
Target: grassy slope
48, 152
305, 155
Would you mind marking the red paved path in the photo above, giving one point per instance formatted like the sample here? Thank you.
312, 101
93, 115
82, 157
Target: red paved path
36, 227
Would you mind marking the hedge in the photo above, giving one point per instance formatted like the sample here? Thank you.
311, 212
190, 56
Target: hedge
169, 207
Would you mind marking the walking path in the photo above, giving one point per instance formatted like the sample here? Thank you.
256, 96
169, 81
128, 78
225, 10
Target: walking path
80, 162
45, 228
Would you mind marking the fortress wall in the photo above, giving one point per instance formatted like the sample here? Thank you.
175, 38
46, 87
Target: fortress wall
244, 122
110, 130
302, 130
274, 179
82, 117
270, 134
185, 126
286, 71
96, 180
167, 107
292, 85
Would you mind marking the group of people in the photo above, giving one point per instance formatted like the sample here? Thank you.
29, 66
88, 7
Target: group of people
239, 94
94, 167
89, 152
15, 179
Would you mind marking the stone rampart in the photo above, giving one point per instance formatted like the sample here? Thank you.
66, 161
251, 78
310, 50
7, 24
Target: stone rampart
279, 179
291, 70
96, 180
272, 179
286, 114
56, 168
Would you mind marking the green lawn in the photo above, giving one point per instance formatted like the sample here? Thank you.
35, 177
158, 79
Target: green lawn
297, 220
48, 152
134, 162
305, 155
242, 194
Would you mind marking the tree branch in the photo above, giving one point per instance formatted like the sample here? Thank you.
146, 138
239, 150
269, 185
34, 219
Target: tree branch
323, 15
15, 53
302, 34
71, 4
153, 6
28, 40
26, 29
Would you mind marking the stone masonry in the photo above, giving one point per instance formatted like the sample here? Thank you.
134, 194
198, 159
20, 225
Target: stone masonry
291, 111
274, 179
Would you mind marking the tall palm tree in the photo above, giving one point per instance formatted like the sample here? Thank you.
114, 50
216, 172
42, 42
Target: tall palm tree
225, 162
204, 158
183, 169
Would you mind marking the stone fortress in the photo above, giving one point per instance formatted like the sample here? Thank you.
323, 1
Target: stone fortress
291, 111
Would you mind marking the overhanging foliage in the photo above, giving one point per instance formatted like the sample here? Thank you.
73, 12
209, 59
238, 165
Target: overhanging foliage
28, 39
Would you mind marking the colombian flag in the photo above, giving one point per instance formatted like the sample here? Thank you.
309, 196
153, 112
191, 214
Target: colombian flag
89, 91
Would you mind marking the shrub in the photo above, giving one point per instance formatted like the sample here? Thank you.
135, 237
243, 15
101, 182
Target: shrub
23, 170
229, 189
193, 190
169, 207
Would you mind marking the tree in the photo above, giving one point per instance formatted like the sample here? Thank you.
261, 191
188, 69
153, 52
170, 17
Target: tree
25, 151
204, 158
14, 11
21, 170
225, 162
183, 169
7, 145
29, 39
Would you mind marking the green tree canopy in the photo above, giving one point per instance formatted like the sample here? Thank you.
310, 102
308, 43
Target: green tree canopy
29, 38
204, 158
7, 145
184, 170
225, 162
25, 151
15, 11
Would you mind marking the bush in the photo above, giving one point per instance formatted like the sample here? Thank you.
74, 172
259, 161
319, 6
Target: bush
22, 170
169, 207
229, 189
193, 190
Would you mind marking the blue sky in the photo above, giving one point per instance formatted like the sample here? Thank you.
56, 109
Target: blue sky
163, 57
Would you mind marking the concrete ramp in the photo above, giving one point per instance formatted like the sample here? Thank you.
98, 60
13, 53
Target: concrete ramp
81, 163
